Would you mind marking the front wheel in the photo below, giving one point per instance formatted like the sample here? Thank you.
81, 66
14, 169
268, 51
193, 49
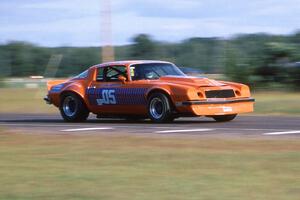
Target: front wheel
73, 109
159, 108
224, 118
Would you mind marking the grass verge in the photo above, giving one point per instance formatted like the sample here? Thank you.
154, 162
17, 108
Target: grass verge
141, 168
20, 100
277, 103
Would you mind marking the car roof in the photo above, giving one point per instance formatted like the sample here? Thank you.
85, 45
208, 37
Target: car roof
129, 62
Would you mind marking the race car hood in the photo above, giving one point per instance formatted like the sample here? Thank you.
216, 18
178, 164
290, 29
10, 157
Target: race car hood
191, 81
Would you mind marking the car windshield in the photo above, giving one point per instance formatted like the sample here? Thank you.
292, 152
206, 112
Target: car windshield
153, 71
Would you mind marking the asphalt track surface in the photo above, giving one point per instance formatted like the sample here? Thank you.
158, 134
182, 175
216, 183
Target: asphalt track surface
242, 126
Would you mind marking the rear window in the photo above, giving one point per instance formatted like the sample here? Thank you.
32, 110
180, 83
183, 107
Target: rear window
82, 75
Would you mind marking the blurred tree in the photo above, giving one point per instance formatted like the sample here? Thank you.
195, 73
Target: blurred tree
237, 65
20, 58
143, 47
295, 38
248, 58
276, 56
4, 62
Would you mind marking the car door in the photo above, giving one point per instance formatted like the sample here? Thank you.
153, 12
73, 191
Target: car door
109, 95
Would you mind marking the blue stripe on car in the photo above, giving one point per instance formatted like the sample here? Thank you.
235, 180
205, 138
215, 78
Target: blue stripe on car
124, 96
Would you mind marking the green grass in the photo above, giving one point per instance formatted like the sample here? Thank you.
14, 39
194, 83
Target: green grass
140, 168
31, 101
19, 100
277, 103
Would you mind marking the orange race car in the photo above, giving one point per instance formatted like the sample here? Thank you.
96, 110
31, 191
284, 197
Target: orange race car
146, 89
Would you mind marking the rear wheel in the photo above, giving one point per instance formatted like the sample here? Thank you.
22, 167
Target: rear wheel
224, 118
73, 109
159, 108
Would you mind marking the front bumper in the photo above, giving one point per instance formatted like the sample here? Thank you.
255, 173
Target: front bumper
216, 106
185, 103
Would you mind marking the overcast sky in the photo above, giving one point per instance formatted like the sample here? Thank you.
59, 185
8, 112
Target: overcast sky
78, 22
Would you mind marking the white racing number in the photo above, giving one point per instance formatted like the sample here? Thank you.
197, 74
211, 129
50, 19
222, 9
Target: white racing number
108, 97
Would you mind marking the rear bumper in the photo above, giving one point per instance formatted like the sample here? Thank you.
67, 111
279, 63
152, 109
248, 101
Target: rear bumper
47, 100
218, 107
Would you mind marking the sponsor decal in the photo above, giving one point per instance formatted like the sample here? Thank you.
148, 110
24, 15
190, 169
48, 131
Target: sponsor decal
227, 109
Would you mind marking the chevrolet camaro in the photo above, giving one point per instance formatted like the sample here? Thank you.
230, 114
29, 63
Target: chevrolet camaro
146, 89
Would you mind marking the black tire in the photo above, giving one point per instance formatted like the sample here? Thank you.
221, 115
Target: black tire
159, 108
72, 108
224, 118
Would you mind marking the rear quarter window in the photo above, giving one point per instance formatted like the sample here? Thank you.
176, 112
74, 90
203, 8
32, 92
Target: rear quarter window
83, 75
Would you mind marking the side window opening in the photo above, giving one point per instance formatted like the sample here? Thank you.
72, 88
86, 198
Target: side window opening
111, 73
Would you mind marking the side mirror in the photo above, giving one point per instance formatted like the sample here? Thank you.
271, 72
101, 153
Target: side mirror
122, 79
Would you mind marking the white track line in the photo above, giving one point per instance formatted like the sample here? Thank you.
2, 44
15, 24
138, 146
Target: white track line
185, 130
130, 126
282, 133
87, 129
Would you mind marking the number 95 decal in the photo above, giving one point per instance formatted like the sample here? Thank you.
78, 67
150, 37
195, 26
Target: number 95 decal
108, 97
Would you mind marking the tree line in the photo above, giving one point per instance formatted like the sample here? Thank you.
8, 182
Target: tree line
256, 59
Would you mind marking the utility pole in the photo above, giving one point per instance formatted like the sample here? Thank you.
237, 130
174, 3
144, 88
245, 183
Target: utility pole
106, 32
